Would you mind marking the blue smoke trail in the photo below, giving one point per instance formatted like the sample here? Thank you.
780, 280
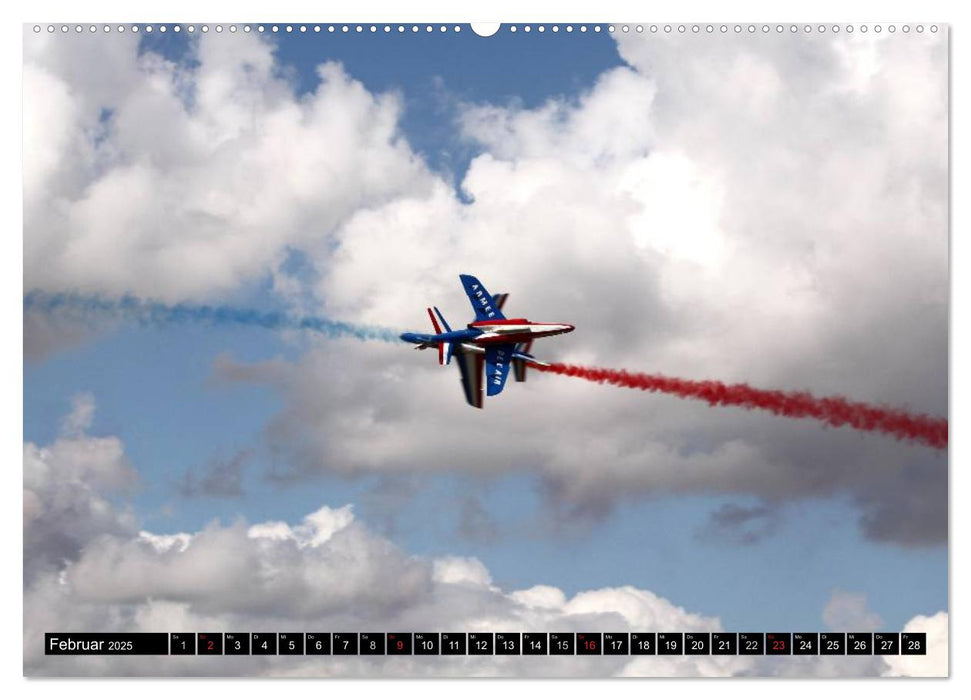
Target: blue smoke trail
158, 314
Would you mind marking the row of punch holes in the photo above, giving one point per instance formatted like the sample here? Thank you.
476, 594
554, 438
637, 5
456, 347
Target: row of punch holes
513, 28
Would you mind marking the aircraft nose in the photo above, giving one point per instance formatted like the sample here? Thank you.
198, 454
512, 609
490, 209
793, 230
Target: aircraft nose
567, 327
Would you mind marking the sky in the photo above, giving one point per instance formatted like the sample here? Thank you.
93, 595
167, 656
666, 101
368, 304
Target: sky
767, 208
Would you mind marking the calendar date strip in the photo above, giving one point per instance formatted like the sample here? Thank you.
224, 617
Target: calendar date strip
486, 643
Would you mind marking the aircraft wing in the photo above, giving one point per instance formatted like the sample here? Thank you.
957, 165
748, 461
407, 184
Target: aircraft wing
498, 359
471, 366
483, 303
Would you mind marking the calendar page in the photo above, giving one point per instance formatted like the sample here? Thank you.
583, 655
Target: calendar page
679, 294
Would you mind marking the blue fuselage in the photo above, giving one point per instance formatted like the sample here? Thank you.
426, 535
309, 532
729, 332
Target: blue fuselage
462, 336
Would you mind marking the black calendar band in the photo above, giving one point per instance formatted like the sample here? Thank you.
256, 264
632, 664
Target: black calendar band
486, 643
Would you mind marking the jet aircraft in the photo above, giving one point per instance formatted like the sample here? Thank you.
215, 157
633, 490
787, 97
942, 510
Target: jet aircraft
491, 343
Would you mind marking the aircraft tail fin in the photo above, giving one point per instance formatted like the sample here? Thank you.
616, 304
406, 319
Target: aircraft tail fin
445, 349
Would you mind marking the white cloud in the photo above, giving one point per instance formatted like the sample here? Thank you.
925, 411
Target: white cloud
935, 662
124, 586
81, 416
610, 124
847, 612
541, 597
143, 176
66, 492
180, 541
323, 524
317, 527
326, 573
220, 579
461, 569
678, 211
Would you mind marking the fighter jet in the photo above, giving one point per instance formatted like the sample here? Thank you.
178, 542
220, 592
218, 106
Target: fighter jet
491, 342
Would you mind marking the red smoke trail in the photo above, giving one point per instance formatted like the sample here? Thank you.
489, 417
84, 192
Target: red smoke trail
832, 410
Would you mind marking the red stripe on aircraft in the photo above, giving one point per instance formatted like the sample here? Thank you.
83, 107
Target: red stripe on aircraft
434, 321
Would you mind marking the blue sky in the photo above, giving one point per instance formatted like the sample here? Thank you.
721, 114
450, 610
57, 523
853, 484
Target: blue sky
155, 389
436, 73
